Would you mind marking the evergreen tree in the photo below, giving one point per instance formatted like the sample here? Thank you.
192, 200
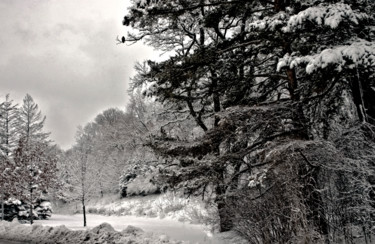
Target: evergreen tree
295, 79
8, 142
8, 127
31, 122
35, 170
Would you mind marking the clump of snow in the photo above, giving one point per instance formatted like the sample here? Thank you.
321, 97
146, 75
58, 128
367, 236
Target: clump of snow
132, 230
257, 178
325, 15
104, 227
269, 23
359, 53
11, 201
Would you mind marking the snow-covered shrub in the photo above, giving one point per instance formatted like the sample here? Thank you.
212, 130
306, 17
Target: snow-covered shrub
44, 210
137, 179
14, 208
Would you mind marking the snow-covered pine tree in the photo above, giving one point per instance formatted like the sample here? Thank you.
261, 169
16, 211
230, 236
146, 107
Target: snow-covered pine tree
8, 142
35, 164
34, 169
205, 72
31, 122
8, 127
295, 79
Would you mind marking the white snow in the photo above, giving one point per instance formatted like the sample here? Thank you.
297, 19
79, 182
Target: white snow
169, 205
174, 229
103, 233
269, 23
327, 15
168, 228
116, 229
359, 53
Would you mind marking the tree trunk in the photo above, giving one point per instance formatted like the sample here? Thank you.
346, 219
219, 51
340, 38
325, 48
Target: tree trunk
84, 211
31, 206
101, 189
292, 84
215, 96
225, 215
2, 205
358, 98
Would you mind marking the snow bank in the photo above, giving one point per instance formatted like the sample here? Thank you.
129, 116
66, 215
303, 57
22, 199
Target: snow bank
104, 233
172, 228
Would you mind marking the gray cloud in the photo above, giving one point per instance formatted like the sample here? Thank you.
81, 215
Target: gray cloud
65, 55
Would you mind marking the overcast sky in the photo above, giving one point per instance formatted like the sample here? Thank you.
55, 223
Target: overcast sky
64, 54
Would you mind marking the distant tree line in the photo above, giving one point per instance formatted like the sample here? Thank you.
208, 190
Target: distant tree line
110, 156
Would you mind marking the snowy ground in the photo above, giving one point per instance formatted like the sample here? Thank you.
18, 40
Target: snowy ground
165, 218
66, 229
174, 229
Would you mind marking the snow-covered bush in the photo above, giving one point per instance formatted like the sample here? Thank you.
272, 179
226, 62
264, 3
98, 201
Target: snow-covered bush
16, 209
44, 210
137, 179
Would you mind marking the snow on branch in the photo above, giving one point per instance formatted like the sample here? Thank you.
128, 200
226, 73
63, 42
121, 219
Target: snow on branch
360, 53
326, 15
269, 23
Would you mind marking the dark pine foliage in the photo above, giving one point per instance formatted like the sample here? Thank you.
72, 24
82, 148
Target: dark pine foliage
283, 94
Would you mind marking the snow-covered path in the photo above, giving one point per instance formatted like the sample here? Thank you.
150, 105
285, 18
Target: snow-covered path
172, 228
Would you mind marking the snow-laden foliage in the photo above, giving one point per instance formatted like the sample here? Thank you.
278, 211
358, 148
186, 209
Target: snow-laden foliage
269, 23
359, 54
9, 127
331, 15
272, 85
137, 179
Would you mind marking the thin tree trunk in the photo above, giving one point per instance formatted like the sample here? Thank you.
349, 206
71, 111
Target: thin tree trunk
31, 205
101, 189
2, 205
83, 178
84, 211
